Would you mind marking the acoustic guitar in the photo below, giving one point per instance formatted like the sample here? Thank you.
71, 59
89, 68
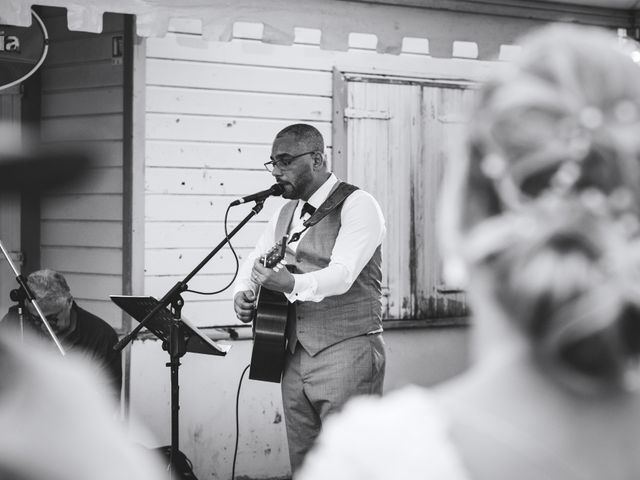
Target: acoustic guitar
270, 325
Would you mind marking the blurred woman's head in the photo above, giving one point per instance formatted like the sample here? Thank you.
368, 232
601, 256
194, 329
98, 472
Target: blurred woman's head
546, 203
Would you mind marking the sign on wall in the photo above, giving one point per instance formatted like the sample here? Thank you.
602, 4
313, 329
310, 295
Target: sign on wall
22, 51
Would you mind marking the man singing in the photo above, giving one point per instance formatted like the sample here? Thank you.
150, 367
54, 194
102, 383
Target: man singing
332, 279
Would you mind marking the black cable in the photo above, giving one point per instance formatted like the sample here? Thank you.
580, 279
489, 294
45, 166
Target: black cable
235, 450
235, 256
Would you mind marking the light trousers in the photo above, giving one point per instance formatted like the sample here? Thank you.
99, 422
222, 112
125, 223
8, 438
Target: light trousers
315, 387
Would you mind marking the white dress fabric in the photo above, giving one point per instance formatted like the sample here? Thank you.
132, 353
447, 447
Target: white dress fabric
401, 436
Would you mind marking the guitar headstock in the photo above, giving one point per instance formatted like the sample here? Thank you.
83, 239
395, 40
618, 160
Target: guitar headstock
277, 252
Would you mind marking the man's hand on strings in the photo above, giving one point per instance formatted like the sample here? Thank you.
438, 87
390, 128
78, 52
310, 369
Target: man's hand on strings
277, 278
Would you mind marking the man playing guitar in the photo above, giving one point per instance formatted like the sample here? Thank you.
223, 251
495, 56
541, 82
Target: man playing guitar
332, 282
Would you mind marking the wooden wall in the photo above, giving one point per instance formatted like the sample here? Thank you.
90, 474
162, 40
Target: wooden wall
82, 101
212, 113
212, 110
10, 213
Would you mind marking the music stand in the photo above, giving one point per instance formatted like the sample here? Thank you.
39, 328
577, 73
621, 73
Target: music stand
178, 336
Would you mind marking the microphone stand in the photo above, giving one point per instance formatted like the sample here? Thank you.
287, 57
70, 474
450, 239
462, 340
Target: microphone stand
27, 293
176, 345
19, 295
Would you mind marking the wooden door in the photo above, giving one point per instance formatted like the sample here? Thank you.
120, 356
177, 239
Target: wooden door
399, 136
9, 204
443, 117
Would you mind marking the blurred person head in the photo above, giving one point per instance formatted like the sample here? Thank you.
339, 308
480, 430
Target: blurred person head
541, 215
57, 420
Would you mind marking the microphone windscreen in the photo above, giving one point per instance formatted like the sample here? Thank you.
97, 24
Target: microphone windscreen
277, 189
26, 164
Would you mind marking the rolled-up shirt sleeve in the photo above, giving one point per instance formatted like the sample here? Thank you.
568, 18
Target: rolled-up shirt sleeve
361, 232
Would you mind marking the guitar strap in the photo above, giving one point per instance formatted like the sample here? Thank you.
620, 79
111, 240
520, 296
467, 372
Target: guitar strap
333, 201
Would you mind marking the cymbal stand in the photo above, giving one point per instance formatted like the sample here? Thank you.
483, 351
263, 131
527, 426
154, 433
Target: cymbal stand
22, 281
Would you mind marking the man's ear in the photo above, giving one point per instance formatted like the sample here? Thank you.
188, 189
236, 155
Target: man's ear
318, 159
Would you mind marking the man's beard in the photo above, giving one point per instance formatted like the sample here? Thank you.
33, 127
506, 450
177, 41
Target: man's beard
290, 192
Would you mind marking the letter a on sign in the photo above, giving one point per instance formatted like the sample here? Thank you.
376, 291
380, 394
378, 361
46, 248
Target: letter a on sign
22, 51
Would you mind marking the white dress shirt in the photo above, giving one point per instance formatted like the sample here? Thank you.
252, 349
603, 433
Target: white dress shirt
362, 230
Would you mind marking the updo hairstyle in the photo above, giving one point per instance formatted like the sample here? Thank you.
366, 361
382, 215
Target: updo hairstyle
551, 200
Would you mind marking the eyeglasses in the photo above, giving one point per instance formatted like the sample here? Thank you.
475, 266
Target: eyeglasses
283, 161
53, 317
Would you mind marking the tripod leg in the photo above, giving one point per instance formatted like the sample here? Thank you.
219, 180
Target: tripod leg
174, 364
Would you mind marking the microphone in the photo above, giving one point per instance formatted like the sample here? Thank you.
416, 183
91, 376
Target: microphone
37, 167
276, 190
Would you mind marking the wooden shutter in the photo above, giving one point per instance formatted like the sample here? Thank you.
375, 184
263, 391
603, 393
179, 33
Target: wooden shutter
399, 136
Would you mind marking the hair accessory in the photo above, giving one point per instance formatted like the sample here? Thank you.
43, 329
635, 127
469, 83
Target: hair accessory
566, 176
617, 206
629, 224
621, 199
594, 201
579, 144
590, 118
493, 166
626, 111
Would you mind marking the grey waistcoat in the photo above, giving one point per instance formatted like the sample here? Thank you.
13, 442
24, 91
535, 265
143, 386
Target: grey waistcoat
356, 312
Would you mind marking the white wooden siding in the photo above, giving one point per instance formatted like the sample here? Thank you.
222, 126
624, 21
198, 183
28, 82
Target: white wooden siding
212, 110
200, 128
71, 77
200, 208
237, 104
65, 103
84, 260
167, 153
81, 233
82, 102
82, 208
210, 122
178, 73
196, 234
204, 181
